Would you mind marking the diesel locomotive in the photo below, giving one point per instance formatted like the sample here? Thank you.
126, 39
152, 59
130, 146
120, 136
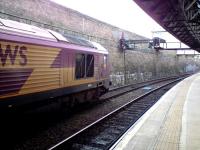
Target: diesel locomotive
37, 64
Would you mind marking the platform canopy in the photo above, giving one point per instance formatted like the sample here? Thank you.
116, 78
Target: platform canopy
181, 18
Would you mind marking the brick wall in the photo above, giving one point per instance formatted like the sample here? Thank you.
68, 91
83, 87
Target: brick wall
47, 14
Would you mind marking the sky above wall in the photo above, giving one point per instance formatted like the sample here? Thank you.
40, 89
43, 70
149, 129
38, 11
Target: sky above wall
124, 14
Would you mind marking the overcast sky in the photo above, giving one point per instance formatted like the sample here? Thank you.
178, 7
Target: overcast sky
121, 13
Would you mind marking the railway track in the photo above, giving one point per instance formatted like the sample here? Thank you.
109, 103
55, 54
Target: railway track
104, 132
51, 128
115, 92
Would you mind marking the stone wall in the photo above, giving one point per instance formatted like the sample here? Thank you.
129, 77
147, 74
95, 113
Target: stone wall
48, 14
143, 62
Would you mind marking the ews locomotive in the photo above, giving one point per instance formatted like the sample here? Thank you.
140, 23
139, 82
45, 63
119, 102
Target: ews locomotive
37, 64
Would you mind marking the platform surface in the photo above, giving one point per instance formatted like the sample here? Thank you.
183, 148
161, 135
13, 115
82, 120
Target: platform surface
173, 123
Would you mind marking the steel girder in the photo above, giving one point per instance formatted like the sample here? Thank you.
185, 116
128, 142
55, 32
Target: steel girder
179, 17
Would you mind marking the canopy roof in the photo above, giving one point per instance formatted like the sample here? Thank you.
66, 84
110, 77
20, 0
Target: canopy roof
179, 17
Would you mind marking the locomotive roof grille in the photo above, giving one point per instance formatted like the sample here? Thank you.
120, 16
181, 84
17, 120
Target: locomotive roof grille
78, 41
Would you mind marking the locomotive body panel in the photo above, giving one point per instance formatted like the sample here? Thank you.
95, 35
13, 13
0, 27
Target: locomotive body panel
28, 68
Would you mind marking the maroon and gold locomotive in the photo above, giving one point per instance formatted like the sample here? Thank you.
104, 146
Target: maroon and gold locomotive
38, 64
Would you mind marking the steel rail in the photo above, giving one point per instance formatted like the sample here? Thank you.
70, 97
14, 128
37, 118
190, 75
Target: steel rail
62, 144
136, 86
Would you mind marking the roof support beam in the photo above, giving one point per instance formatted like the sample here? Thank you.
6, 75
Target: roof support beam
190, 5
195, 15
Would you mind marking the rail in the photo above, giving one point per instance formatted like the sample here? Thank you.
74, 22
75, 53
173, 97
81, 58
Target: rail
112, 126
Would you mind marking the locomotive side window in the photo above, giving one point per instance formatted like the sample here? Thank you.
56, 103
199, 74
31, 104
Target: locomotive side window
84, 66
80, 66
90, 65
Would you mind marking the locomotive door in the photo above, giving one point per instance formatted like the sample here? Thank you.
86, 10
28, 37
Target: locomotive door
96, 67
67, 68
103, 66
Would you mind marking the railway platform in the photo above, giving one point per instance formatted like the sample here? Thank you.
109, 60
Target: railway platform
171, 124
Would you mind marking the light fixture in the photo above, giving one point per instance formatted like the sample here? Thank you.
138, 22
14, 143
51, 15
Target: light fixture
198, 4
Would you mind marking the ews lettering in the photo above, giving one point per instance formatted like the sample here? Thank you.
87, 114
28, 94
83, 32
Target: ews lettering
12, 54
